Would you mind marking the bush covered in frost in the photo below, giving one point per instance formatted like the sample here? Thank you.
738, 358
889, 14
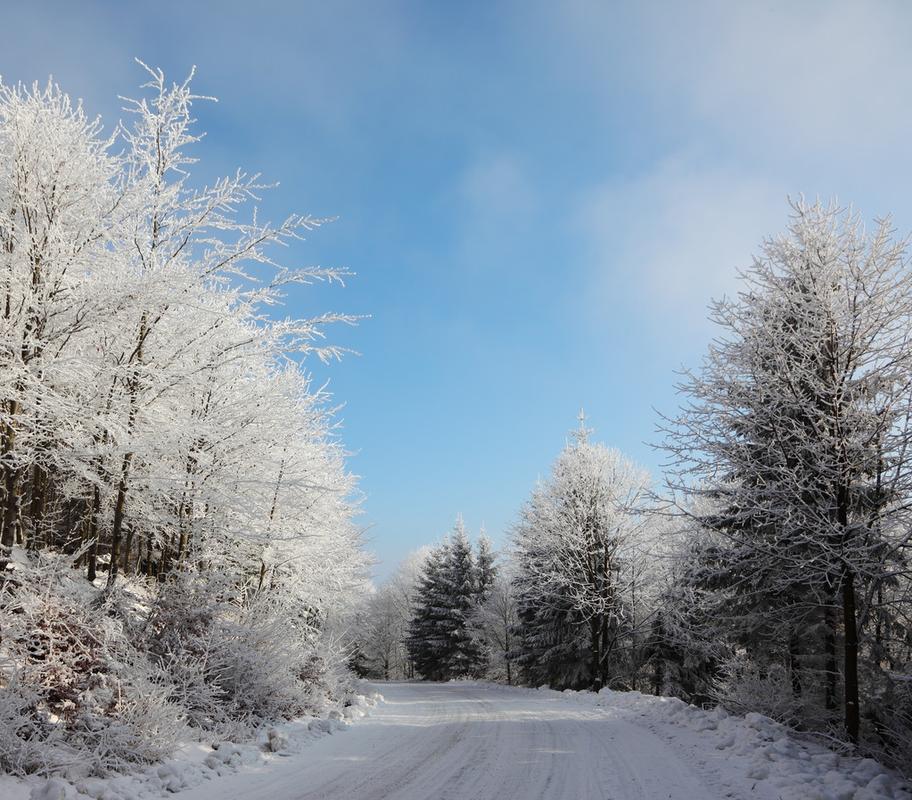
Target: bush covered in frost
77, 692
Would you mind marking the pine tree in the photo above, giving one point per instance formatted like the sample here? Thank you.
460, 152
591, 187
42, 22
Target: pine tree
442, 640
428, 640
466, 657
485, 568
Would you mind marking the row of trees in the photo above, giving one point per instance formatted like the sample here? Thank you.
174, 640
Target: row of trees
772, 571
156, 427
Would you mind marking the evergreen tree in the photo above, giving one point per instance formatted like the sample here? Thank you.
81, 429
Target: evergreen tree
429, 629
551, 646
442, 640
485, 569
466, 655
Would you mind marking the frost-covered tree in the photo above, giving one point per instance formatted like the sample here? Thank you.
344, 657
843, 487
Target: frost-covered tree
428, 638
495, 621
798, 430
382, 625
575, 554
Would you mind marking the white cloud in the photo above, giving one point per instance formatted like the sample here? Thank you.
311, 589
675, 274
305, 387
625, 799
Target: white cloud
828, 76
671, 239
818, 80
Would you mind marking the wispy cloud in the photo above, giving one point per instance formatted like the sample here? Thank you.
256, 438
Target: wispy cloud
673, 237
784, 79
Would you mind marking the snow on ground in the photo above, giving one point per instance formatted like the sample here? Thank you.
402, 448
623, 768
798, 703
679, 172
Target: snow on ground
476, 741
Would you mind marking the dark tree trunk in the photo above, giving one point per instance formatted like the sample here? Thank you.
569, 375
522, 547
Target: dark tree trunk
12, 488
829, 644
595, 629
92, 570
850, 656
38, 508
794, 664
128, 549
117, 526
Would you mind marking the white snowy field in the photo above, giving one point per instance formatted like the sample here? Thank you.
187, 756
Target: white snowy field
477, 741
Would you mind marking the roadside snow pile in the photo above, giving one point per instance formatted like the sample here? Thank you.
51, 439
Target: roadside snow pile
195, 763
797, 770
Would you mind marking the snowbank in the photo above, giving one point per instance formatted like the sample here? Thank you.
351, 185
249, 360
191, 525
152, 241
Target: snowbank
760, 748
196, 763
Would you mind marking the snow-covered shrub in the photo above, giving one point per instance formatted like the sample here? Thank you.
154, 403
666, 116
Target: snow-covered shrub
326, 673
889, 720
77, 693
235, 660
743, 687
22, 735
263, 652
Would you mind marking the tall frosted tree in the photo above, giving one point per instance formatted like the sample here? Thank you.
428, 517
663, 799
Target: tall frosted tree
575, 548
430, 628
798, 428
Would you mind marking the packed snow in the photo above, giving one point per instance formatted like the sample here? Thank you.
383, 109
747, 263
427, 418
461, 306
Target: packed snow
468, 740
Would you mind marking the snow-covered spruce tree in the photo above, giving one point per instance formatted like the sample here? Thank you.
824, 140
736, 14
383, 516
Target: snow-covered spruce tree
442, 639
466, 655
428, 640
798, 429
142, 381
575, 556
485, 567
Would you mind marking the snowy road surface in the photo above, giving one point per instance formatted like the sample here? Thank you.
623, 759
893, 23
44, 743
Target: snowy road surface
466, 741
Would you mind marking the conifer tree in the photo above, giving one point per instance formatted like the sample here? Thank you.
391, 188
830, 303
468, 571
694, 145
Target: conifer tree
429, 629
442, 639
485, 568
576, 545
466, 654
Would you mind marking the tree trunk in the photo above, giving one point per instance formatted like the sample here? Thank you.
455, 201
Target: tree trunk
850, 656
117, 526
128, 548
92, 571
829, 698
794, 664
37, 508
595, 634
11, 486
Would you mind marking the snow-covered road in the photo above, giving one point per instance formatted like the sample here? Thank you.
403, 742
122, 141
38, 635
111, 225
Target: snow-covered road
468, 741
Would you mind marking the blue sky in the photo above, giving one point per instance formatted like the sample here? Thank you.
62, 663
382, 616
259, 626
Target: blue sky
538, 198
